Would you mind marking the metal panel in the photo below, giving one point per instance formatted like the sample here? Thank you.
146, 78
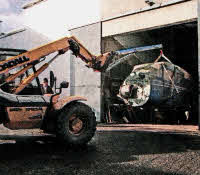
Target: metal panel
25, 117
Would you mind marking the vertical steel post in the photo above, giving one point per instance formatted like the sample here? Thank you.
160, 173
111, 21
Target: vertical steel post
198, 11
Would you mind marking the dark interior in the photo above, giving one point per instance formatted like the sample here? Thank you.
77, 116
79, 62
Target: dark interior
180, 45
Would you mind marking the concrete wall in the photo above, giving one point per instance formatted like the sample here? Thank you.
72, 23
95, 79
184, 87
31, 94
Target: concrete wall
30, 39
151, 19
116, 7
84, 81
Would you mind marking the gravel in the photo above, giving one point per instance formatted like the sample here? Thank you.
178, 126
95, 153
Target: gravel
109, 152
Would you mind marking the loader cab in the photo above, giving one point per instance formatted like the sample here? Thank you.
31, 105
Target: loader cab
33, 88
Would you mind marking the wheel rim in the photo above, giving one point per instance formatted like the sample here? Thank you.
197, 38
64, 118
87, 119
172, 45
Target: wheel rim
77, 124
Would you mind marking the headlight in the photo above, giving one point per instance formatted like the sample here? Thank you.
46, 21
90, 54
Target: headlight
128, 91
125, 91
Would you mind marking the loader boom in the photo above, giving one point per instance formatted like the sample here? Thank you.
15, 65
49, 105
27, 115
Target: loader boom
30, 58
35, 56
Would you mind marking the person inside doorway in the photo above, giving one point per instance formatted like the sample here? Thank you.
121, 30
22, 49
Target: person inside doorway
46, 89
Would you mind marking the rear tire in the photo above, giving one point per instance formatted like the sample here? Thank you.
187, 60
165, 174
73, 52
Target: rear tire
76, 124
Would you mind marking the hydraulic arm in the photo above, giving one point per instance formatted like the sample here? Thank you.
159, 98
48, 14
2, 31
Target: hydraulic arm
30, 58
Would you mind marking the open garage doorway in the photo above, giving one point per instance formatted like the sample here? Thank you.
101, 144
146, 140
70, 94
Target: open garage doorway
180, 45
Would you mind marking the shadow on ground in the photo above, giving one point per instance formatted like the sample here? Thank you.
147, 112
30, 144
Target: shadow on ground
107, 153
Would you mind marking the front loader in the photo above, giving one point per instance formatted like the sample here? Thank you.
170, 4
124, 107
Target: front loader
24, 106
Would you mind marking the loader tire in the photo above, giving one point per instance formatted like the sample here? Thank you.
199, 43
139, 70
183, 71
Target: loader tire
76, 124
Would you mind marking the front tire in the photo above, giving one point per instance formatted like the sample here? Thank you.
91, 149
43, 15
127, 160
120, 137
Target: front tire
76, 124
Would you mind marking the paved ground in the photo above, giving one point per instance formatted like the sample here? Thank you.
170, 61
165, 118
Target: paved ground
125, 151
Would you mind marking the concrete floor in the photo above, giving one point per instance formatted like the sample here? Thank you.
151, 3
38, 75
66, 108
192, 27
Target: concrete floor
123, 150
